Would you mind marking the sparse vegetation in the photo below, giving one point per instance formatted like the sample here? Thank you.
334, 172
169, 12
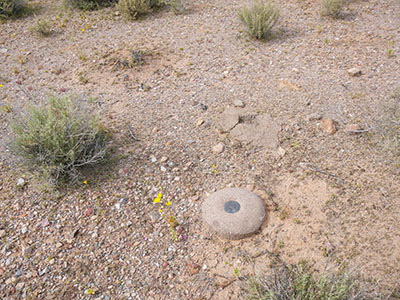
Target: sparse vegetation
60, 138
332, 8
88, 4
259, 19
131, 9
42, 27
11, 8
177, 6
289, 282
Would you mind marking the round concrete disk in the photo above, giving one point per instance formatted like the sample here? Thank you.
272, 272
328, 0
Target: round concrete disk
233, 213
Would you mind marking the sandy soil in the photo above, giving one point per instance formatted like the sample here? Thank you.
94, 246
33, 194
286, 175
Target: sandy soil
332, 199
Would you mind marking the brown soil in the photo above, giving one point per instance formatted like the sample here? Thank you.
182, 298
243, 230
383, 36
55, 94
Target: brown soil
333, 199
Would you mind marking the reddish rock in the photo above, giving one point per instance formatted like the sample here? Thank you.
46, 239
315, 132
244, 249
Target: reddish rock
193, 268
88, 211
329, 126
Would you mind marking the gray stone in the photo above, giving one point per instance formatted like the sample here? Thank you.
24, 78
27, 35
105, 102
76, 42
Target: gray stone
314, 116
259, 131
238, 103
233, 213
24, 230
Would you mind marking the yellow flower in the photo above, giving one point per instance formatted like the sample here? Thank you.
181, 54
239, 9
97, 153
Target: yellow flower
168, 203
1, 85
83, 29
85, 182
213, 166
160, 211
158, 198
12, 35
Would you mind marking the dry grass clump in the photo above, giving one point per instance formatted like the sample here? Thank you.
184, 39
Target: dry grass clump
259, 19
88, 4
300, 282
131, 9
42, 27
11, 8
59, 138
332, 8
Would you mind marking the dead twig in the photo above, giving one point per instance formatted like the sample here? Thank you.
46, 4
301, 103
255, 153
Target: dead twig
314, 169
131, 133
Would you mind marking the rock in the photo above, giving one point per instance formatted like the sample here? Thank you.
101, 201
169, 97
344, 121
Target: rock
229, 119
44, 223
24, 230
193, 268
354, 72
18, 273
154, 216
233, 213
3, 50
118, 206
2, 233
163, 169
163, 159
314, 116
199, 122
281, 152
20, 286
153, 159
222, 282
329, 126
238, 103
123, 201
218, 148
352, 128
165, 264
88, 211
21, 182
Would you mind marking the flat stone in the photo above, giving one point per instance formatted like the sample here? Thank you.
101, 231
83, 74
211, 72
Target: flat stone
229, 119
238, 103
233, 213
259, 131
354, 72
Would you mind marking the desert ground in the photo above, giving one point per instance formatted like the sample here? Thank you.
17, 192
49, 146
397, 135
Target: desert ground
327, 171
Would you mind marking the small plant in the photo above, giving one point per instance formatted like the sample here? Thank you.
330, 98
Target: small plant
42, 27
332, 8
88, 4
288, 282
11, 8
131, 9
260, 19
177, 6
169, 218
60, 137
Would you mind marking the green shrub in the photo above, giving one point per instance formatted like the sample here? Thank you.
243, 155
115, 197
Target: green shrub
88, 4
332, 8
259, 19
299, 282
11, 8
42, 27
60, 138
131, 9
